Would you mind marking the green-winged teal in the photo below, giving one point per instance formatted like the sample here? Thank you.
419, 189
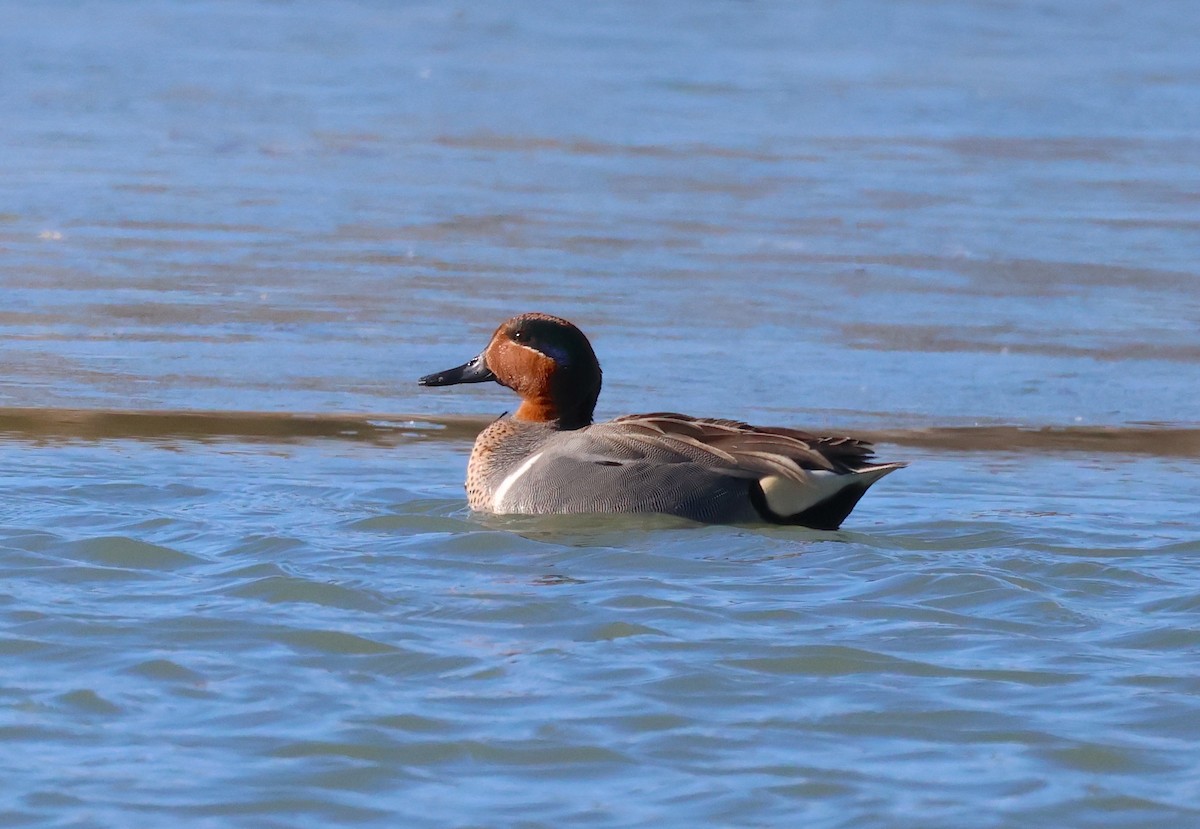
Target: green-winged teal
550, 458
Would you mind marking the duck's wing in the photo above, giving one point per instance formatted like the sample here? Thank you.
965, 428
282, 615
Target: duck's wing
765, 449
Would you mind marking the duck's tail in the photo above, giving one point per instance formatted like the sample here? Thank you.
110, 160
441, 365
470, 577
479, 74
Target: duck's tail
818, 499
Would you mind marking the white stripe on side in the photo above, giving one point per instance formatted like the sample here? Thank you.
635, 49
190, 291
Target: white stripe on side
507, 483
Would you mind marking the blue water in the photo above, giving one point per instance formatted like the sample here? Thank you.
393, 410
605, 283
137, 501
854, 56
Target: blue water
927, 222
320, 634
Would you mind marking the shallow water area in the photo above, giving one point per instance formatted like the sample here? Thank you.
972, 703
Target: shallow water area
239, 585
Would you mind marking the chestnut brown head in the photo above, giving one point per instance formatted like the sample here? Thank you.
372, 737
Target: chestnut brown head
546, 360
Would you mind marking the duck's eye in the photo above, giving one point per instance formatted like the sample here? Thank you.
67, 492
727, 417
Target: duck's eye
520, 336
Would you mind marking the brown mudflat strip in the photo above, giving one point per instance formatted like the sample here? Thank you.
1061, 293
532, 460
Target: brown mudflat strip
103, 424
1151, 439
33, 424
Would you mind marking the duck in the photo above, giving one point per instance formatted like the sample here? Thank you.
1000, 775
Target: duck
550, 458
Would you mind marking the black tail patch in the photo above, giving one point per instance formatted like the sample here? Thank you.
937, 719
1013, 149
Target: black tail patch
826, 515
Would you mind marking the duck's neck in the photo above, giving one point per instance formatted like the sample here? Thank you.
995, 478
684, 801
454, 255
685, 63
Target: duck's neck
565, 401
544, 409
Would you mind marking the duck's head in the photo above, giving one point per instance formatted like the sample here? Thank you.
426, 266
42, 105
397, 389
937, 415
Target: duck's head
546, 360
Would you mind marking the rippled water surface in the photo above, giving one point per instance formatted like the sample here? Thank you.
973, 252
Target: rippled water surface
240, 586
